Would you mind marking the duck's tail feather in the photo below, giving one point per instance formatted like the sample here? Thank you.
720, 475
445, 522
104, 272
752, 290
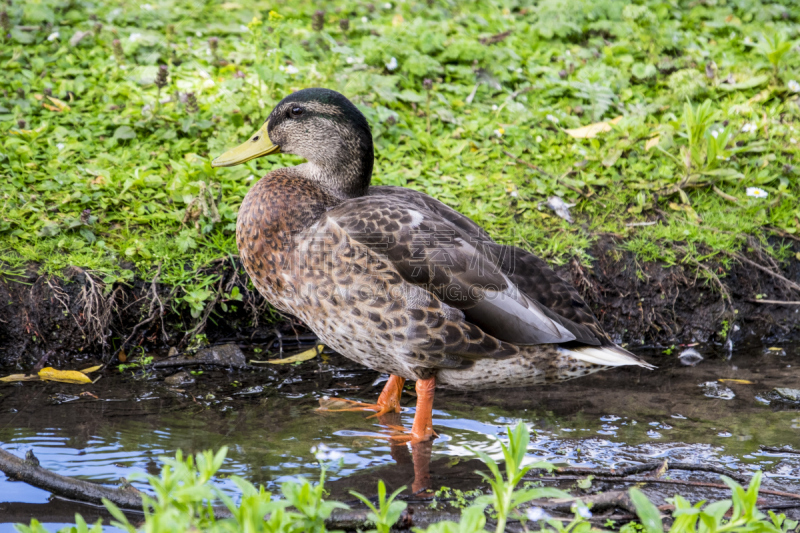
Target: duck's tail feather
608, 355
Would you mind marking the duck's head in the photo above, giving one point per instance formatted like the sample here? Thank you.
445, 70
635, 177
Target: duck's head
323, 127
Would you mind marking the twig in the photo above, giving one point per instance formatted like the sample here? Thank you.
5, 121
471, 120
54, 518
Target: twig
789, 283
773, 302
637, 224
664, 482
519, 92
649, 467
494, 39
782, 233
604, 500
776, 449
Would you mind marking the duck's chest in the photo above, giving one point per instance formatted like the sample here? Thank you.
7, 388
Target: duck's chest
275, 211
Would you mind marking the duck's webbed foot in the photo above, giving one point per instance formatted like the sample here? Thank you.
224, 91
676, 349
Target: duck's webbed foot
388, 401
422, 428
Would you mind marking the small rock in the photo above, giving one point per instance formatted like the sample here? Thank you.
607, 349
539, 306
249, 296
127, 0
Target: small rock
181, 378
714, 389
788, 394
690, 357
225, 355
173, 352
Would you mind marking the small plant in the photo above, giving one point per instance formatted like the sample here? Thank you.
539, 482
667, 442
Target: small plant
774, 46
387, 512
505, 498
744, 515
138, 366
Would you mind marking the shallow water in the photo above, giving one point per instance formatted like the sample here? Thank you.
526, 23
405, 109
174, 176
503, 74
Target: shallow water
269, 421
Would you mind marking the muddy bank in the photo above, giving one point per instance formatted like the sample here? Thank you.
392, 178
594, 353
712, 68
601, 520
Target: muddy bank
638, 303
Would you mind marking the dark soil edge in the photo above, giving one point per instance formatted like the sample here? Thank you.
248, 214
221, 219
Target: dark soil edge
637, 303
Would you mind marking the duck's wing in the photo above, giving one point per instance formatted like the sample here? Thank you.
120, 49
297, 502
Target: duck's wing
430, 252
529, 273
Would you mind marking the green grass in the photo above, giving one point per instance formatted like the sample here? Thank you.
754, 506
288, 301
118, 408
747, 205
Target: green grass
716, 81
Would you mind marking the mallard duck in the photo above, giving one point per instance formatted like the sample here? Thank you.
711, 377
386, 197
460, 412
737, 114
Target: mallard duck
395, 279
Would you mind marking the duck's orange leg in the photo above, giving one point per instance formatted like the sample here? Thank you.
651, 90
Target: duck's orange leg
388, 401
422, 428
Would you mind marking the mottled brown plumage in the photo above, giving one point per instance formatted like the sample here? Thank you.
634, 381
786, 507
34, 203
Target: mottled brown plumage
395, 279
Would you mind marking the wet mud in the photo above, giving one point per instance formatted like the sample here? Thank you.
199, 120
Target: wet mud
638, 304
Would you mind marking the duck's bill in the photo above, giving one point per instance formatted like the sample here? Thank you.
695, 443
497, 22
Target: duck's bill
258, 145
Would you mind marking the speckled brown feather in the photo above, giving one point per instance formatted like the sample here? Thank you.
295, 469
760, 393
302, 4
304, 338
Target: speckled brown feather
529, 273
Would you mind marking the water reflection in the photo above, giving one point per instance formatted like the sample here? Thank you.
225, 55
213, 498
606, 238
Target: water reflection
613, 419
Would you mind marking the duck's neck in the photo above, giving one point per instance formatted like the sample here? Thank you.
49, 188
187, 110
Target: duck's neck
347, 176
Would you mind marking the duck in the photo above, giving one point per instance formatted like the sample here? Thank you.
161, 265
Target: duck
396, 280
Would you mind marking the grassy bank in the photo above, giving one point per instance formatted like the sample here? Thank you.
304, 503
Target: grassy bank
104, 158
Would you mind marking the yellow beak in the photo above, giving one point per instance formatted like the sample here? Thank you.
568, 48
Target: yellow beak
258, 145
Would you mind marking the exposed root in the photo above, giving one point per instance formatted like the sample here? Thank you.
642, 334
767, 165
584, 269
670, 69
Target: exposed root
97, 309
63, 298
727, 301
156, 310
788, 283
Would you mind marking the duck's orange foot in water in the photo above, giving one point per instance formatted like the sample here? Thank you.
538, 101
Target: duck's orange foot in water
422, 428
388, 401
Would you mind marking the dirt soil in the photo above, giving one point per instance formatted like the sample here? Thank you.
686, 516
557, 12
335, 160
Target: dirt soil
638, 304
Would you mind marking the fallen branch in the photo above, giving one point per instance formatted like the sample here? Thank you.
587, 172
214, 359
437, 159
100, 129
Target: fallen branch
29, 471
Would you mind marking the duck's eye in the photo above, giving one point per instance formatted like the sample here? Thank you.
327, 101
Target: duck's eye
296, 111
256, 138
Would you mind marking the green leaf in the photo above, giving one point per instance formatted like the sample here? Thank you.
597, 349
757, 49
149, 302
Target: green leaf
124, 133
751, 83
648, 514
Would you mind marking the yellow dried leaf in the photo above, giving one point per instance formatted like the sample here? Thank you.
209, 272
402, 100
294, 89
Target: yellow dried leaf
397, 20
590, 131
60, 104
731, 380
20, 377
91, 369
302, 356
51, 107
63, 376
38, 96
651, 143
